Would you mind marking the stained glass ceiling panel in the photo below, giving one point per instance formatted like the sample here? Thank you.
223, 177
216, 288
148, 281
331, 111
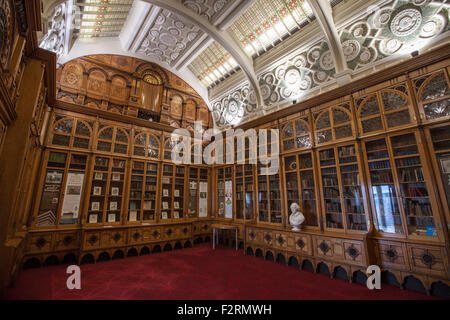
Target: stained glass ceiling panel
103, 18
268, 22
213, 64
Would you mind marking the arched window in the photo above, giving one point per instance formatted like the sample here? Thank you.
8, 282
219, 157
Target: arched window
146, 145
434, 95
333, 124
71, 132
111, 139
389, 108
296, 135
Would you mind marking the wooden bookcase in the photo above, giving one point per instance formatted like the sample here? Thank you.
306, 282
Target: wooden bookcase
301, 186
244, 177
107, 191
64, 178
342, 192
173, 192
197, 194
143, 196
403, 199
224, 180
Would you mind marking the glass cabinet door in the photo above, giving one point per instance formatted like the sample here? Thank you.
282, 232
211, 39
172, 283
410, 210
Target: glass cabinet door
330, 189
413, 187
383, 191
249, 191
441, 147
193, 192
99, 190
239, 181
116, 188
149, 202
275, 199
135, 195
351, 188
308, 203
263, 197
178, 193
291, 180
167, 185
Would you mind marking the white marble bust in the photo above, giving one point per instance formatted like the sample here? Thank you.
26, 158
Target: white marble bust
296, 218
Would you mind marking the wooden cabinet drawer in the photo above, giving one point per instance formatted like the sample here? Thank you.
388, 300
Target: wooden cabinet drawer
40, 242
151, 234
354, 252
113, 238
135, 236
281, 240
301, 244
329, 248
202, 228
255, 236
268, 238
393, 254
67, 240
427, 259
91, 240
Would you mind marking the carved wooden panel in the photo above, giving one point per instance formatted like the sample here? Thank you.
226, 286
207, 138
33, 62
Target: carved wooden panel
393, 254
303, 244
118, 88
7, 31
151, 234
39, 242
427, 259
91, 240
113, 238
72, 75
191, 107
176, 106
354, 252
97, 83
67, 240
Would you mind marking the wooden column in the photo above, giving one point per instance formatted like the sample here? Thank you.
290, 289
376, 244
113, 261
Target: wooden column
12, 163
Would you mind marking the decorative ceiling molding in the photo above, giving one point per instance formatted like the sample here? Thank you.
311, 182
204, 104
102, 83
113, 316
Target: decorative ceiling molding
323, 12
222, 37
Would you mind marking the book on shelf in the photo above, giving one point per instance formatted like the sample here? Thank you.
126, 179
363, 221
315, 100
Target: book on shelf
165, 205
93, 218
147, 205
176, 215
112, 217
133, 215
164, 215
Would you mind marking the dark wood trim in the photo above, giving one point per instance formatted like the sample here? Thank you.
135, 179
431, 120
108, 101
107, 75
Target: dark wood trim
386, 74
7, 112
49, 59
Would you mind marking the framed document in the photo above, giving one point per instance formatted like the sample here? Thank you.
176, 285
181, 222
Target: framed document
164, 215
114, 191
176, 205
97, 191
95, 206
115, 177
98, 176
177, 193
166, 180
112, 217
147, 205
93, 218
133, 215
165, 192
176, 215
165, 205
113, 206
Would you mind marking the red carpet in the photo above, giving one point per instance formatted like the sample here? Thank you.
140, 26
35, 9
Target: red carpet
197, 273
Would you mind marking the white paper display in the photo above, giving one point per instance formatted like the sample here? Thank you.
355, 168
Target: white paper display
203, 200
228, 199
72, 197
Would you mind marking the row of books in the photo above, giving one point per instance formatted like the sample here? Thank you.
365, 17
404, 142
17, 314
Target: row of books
358, 226
381, 177
417, 208
380, 165
307, 183
349, 151
419, 191
331, 193
408, 162
411, 175
351, 179
330, 182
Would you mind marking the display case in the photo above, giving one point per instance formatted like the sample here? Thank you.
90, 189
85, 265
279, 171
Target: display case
300, 186
112, 139
224, 192
146, 144
107, 191
296, 134
71, 132
269, 197
143, 192
172, 192
403, 200
245, 192
342, 193
62, 189
197, 197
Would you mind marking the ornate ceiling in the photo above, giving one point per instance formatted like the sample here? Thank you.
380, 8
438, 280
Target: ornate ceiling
248, 58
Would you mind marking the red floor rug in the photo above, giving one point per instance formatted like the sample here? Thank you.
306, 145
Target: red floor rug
196, 273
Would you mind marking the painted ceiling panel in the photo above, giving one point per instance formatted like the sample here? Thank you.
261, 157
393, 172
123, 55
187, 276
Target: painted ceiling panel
103, 18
